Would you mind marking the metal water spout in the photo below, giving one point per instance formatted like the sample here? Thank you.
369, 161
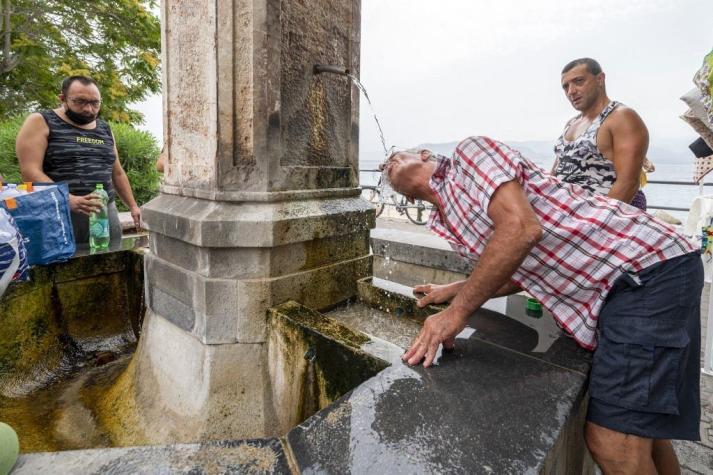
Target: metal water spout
330, 68
341, 70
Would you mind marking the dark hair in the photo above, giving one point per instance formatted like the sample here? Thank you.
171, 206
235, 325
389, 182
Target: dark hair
82, 79
592, 65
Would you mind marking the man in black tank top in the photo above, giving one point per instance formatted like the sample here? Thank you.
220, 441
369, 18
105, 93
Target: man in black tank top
71, 144
603, 148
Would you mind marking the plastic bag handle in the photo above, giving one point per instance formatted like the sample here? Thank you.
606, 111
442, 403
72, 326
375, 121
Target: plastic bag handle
6, 278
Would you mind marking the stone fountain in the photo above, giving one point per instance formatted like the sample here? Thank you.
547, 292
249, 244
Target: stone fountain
260, 205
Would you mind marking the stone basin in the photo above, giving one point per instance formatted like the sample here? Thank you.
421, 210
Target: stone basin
497, 404
69, 374
72, 324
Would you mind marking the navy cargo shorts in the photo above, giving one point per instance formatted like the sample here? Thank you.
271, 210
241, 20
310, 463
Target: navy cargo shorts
645, 377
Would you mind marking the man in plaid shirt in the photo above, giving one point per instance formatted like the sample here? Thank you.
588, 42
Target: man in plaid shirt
620, 282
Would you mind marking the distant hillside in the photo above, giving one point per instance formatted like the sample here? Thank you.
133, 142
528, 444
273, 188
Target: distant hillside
541, 151
675, 153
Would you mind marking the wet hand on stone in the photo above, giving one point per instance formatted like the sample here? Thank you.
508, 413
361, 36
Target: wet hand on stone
441, 327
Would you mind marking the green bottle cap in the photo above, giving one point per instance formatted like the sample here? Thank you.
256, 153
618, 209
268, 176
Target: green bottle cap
99, 186
533, 308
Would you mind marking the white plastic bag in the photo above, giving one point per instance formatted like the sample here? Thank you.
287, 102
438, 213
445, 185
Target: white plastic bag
8, 265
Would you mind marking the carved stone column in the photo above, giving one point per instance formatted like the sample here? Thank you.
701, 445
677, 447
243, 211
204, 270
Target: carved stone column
260, 203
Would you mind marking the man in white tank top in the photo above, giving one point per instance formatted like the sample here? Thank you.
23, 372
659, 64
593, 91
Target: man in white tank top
604, 147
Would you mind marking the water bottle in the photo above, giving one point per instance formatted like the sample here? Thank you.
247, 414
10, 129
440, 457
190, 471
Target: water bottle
99, 222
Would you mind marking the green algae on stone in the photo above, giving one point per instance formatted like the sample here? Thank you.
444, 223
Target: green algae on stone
393, 303
316, 321
116, 408
30, 339
339, 364
47, 322
96, 308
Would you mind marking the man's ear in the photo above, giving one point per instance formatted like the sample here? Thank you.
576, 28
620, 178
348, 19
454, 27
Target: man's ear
601, 77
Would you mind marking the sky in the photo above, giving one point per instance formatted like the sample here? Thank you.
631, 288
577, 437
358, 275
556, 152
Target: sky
438, 71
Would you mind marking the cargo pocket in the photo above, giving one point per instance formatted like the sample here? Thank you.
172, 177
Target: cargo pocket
637, 364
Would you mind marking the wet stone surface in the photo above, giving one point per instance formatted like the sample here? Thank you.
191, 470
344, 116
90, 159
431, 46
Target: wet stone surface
512, 334
483, 409
494, 405
387, 326
225, 457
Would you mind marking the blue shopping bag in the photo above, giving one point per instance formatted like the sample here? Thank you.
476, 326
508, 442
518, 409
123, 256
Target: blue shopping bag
44, 221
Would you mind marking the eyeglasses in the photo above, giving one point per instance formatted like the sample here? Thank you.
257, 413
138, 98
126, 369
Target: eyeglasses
84, 102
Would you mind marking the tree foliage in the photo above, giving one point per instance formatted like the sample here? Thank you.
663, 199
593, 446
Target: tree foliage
138, 153
117, 42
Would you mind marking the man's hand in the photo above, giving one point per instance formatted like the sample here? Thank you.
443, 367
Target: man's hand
85, 204
441, 327
435, 294
136, 216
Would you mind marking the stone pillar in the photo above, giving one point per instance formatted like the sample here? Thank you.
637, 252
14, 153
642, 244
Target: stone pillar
259, 205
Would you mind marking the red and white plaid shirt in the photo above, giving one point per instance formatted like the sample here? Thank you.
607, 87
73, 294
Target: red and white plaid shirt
588, 241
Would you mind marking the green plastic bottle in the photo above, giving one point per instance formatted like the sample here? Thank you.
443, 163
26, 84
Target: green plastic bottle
99, 222
533, 308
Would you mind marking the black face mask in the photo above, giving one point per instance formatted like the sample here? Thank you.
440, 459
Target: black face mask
79, 118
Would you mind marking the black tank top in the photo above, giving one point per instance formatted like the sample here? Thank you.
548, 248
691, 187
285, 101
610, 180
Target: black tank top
79, 157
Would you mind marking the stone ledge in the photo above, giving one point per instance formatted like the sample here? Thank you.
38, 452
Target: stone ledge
225, 224
254, 263
261, 196
484, 406
412, 274
418, 248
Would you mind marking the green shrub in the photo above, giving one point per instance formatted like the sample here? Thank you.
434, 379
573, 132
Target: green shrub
138, 152
9, 168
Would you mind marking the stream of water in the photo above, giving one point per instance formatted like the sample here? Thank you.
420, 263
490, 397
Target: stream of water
361, 87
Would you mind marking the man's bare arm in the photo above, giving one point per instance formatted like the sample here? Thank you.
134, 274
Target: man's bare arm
123, 189
630, 141
30, 147
509, 288
517, 231
122, 185
437, 294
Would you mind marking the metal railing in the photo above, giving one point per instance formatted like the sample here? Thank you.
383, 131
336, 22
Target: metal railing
678, 183
650, 182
